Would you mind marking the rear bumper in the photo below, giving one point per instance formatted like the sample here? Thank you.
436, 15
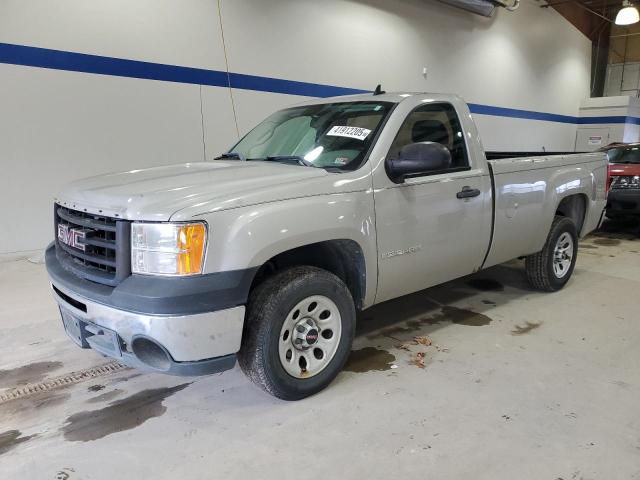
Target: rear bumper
184, 342
623, 202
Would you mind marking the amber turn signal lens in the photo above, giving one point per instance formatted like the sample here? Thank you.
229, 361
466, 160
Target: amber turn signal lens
191, 241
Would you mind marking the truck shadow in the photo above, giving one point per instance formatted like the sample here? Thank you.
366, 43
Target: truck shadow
627, 228
430, 309
434, 308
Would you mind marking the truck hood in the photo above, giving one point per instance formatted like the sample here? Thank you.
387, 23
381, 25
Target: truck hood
159, 193
616, 169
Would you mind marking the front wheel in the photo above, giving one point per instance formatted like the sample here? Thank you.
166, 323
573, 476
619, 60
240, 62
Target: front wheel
551, 268
298, 333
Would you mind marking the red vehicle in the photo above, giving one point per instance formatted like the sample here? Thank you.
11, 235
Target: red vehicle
624, 180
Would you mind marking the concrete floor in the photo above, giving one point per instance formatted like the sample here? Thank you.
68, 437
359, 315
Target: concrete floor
517, 384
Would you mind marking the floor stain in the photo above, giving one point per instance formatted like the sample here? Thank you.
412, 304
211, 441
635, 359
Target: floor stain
95, 388
486, 284
106, 396
369, 359
32, 373
587, 246
607, 242
455, 315
528, 326
12, 438
462, 316
118, 416
32, 405
489, 302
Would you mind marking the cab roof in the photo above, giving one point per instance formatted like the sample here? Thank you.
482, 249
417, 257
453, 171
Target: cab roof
392, 97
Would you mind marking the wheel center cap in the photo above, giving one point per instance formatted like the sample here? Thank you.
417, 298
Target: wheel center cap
305, 334
312, 336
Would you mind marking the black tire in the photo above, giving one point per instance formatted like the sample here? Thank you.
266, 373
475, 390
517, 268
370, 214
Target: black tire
269, 304
539, 266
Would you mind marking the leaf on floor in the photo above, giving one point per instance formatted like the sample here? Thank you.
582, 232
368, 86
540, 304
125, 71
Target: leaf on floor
422, 340
418, 360
528, 326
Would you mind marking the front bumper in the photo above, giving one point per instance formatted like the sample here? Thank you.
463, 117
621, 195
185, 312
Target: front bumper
623, 202
178, 343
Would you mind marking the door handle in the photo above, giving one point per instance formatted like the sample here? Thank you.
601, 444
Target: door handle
468, 192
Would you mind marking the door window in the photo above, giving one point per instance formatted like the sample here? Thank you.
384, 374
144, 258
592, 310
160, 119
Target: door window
433, 122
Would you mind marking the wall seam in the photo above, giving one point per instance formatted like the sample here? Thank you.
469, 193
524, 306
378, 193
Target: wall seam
226, 61
204, 143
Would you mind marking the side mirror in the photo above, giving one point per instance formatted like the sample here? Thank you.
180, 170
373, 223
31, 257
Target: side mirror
418, 159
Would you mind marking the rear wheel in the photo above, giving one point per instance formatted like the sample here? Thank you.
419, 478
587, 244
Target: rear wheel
551, 268
298, 333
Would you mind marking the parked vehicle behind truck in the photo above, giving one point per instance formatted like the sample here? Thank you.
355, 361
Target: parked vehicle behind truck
265, 254
624, 180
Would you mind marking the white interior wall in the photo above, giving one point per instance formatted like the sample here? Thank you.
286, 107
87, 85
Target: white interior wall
58, 126
625, 108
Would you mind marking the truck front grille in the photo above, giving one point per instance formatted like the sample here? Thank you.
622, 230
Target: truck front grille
94, 247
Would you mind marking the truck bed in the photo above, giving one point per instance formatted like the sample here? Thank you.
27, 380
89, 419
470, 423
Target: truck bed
527, 191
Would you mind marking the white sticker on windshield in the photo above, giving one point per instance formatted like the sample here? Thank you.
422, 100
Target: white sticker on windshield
351, 132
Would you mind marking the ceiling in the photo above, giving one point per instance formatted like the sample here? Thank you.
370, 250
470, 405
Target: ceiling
593, 18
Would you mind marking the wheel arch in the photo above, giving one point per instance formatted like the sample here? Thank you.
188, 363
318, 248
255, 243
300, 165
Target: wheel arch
342, 257
574, 207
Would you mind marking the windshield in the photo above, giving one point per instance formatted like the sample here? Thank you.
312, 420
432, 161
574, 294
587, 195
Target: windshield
331, 135
624, 155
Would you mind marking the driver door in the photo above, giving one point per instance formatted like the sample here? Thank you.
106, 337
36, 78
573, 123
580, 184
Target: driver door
426, 234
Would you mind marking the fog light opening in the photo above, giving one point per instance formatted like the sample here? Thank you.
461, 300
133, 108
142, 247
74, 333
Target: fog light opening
151, 354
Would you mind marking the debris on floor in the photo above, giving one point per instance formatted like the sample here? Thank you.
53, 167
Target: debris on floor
528, 326
422, 340
418, 359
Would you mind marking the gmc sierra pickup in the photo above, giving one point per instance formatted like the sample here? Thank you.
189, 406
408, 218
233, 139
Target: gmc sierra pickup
265, 253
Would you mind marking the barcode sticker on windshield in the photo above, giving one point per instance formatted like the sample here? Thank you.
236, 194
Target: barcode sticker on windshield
351, 132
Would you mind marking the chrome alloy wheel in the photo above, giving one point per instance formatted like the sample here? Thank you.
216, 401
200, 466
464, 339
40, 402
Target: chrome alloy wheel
562, 255
310, 336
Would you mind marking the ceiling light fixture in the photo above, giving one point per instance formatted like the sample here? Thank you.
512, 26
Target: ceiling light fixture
628, 15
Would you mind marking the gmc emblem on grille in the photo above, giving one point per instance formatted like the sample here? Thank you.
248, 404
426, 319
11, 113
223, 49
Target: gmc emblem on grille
71, 236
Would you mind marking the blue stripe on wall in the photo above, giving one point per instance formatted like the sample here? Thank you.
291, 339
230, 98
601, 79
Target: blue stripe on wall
81, 62
290, 87
514, 113
96, 64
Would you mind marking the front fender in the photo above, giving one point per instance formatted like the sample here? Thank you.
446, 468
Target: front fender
248, 237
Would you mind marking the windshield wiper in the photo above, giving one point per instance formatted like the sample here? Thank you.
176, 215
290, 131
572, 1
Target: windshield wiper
289, 158
233, 155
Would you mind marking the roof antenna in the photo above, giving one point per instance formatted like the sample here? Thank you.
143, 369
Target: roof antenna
378, 90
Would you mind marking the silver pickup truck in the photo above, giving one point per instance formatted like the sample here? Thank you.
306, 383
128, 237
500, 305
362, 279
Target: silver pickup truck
265, 253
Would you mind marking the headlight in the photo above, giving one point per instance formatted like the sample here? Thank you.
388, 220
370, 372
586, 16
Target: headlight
626, 181
168, 248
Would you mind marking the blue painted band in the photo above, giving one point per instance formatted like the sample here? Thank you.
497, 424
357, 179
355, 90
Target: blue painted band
96, 64
290, 87
515, 113
81, 62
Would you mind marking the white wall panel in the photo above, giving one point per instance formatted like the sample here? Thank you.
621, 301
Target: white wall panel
60, 126
184, 32
530, 59
515, 134
219, 125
